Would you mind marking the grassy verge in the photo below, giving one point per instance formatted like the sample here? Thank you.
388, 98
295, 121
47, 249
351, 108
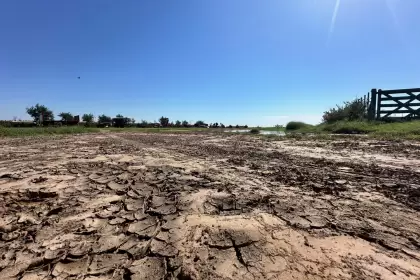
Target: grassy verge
271, 128
406, 130
33, 131
185, 129
157, 130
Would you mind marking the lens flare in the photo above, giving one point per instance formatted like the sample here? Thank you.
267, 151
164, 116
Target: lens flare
333, 20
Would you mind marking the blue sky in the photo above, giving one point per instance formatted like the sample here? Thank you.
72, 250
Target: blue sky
235, 62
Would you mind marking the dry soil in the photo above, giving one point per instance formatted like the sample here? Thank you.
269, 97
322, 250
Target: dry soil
201, 206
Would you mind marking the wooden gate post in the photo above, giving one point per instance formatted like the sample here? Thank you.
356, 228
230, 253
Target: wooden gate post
372, 107
378, 107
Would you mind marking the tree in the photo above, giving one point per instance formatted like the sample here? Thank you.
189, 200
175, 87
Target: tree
185, 124
164, 121
133, 121
222, 125
143, 123
199, 123
104, 119
37, 110
178, 124
88, 118
66, 116
127, 121
119, 116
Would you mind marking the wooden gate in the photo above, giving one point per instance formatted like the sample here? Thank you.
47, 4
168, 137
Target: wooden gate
401, 104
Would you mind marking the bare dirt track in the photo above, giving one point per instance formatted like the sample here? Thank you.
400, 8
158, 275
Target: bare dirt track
202, 206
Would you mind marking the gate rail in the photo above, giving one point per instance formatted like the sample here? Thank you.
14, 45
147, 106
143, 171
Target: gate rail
394, 104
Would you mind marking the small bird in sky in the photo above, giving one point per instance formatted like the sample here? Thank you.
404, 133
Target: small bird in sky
78, 78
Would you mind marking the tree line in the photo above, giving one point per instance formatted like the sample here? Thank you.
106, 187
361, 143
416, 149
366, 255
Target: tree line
119, 120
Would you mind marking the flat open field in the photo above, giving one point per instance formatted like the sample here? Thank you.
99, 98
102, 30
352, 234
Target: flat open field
202, 206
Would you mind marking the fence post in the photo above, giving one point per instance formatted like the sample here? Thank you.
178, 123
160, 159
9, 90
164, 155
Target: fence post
372, 107
378, 107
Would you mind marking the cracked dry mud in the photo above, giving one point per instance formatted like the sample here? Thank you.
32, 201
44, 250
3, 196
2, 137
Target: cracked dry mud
202, 206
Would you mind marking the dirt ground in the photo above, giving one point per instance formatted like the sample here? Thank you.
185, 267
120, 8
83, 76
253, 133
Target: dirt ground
202, 206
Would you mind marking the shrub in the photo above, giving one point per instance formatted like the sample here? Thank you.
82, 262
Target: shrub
255, 131
17, 124
355, 110
296, 125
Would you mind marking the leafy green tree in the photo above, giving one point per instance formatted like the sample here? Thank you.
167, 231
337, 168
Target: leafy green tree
144, 123
104, 119
164, 121
178, 124
37, 110
88, 118
66, 116
127, 121
185, 124
119, 116
199, 123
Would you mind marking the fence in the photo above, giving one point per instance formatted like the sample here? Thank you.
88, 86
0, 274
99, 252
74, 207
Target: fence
396, 104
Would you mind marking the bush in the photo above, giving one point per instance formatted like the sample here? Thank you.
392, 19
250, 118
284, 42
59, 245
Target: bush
355, 110
255, 131
17, 124
296, 125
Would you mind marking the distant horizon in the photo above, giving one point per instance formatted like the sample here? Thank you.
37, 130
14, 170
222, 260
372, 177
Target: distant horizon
56, 117
236, 62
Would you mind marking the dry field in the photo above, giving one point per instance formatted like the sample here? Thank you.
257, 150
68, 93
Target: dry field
202, 206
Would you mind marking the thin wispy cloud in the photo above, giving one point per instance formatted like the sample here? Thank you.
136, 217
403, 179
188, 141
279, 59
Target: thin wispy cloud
333, 20
391, 8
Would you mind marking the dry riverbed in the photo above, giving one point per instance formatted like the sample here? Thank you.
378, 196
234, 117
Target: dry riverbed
201, 206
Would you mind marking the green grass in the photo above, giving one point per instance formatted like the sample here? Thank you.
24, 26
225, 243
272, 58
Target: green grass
158, 130
33, 131
397, 130
185, 129
405, 130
